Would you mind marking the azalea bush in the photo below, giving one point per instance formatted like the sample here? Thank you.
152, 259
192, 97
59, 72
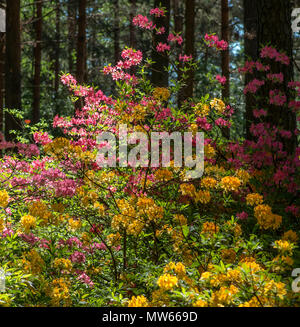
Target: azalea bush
75, 233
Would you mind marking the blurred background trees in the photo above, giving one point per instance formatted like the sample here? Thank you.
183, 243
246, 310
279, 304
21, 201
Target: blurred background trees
46, 38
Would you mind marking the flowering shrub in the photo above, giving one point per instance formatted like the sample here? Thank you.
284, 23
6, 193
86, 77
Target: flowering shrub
75, 234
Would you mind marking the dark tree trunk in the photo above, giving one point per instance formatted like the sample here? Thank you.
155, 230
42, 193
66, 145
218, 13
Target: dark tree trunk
57, 48
159, 76
2, 86
251, 53
71, 33
132, 29
274, 27
189, 45
12, 65
81, 42
178, 27
81, 48
225, 56
37, 63
116, 31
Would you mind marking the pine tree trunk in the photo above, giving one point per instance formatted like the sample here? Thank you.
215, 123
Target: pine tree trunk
81, 48
2, 86
71, 33
189, 45
159, 76
178, 27
57, 49
251, 53
132, 29
225, 57
12, 65
37, 63
81, 42
116, 31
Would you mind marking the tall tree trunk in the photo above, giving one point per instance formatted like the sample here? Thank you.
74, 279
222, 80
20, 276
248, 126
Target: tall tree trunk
225, 56
2, 67
81, 47
37, 63
71, 32
81, 42
12, 65
251, 53
159, 76
57, 49
188, 90
132, 29
2, 86
116, 31
178, 27
274, 27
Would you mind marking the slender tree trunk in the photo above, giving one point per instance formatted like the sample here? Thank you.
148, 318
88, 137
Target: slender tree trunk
2, 67
71, 33
81, 42
2, 86
189, 45
12, 65
116, 31
81, 48
37, 63
132, 29
57, 48
178, 27
225, 57
159, 76
251, 53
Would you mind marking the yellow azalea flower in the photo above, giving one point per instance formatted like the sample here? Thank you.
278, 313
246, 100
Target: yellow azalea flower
28, 222
290, 236
139, 301
230, 183
254, 199
161, 93
167, 282
4, 199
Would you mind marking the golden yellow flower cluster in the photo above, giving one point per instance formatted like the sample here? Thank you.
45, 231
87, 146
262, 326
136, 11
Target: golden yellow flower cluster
178, 268
161, 93
63, 264
243, 175
230, 183
201, 109
208, 183
60, 293
218, 105
290, 236
163, 175
167, 282
33, 262
74, 224
265, 218
139, 301
40, 210
28, 222
4, 199
210, 228
283, 246
254, 199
